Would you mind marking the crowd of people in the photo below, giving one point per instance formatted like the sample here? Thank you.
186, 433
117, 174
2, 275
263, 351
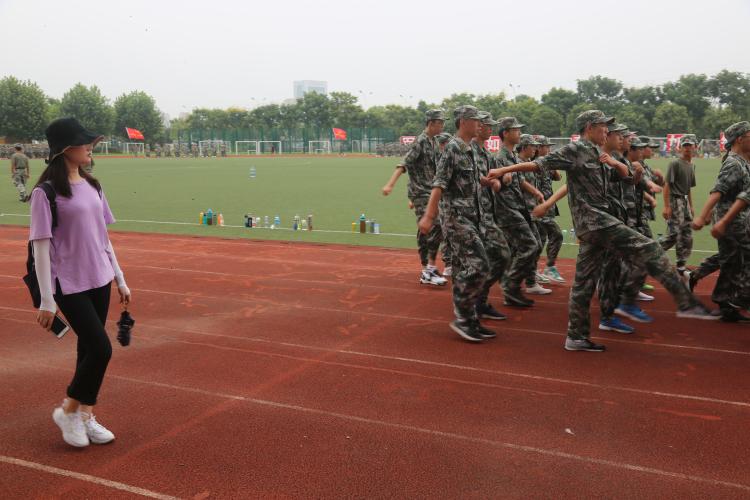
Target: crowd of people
491, 216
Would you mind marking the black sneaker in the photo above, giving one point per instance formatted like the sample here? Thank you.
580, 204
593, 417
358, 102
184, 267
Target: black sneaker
517, 300
733, 316
583, 345
485, 333
466, 330
486, 311
692, 281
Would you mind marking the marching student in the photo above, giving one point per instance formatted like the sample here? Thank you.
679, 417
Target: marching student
549, 231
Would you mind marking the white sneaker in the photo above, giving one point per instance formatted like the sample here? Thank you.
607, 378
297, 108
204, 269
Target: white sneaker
538, 289
97, 433
645, 297
71, 425
448, 271
429, 278
542, 279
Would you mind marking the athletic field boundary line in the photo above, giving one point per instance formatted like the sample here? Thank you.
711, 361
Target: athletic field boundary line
332, 231
135, 490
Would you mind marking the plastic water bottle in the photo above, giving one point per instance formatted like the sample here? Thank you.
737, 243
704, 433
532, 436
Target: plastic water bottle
295, 223
376, 229
265, 221
277, 221
309, 222
362, 224
252, 172
210, 217
565, 234
573, 235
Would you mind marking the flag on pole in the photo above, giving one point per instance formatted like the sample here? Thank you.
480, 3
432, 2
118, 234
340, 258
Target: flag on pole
134, 134
339, 134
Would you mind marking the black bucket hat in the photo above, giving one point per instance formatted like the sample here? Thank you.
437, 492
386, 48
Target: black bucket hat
65, 133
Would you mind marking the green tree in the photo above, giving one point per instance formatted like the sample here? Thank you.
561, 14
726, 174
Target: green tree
601, 92
632, 116
267, 116
717, 120
208, 119
732, 89
138, 110
570, 119
23, 109
561, 100
670, 118
53, 109
523, 108
316, 109
345, 110
290, 116
644, 100
691, 92
546, 121
90, 107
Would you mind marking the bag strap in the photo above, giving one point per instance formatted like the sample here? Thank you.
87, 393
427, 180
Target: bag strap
51, 195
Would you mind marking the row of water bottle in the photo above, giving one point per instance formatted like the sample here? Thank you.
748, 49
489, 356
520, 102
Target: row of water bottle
298, 223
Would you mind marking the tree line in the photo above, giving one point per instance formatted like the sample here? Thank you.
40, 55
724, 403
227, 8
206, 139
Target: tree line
695, 103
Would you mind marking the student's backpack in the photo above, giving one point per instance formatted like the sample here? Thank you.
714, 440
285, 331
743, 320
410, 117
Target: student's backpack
30, 279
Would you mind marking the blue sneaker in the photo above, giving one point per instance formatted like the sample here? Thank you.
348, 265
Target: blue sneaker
615, 324
632, 311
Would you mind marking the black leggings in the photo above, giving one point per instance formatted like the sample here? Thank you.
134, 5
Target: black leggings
87, 314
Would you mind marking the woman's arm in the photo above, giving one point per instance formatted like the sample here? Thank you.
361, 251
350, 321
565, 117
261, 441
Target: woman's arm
122, 286
47, 308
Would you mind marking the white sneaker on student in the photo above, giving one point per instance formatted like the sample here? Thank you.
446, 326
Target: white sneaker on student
71, 425
645, 297
538, 289
542, 279
97, 433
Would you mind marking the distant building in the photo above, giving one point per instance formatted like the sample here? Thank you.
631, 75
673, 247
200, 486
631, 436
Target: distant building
302, 87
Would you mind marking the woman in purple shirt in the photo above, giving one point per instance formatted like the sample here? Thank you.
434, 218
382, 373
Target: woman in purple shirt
75, 266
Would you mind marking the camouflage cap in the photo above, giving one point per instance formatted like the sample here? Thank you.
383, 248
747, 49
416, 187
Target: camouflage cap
486, 118
616, 127
650, 143
543, 140
17, 146
527, 140
443, 137
635, 142
466, 112
510, 122
688, 139
592, 116
735, 131
434, 114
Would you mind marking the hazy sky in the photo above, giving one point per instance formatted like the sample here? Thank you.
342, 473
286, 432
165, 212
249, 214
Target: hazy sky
222, 53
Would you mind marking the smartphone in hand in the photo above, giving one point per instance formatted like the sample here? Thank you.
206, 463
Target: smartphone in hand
59, 327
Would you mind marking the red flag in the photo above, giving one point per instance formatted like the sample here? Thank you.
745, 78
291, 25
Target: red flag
339, 134
134, 134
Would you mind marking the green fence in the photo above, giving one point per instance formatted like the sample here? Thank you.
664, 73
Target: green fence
302, 140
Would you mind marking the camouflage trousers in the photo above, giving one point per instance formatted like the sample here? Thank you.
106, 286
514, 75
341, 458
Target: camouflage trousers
634, 274
445, 247
608, 286
524, 250
551, 237
19, 180
679, 233
498, 256
471, 266
733, 283
624, 243
708, 266
428, 245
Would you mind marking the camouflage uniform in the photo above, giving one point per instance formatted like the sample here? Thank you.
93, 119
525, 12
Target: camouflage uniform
445, 247
600, 231
679, 231
513, 218
550, 234
458, 177
495, 244
420, 164
530, 202
20, 163
733, 183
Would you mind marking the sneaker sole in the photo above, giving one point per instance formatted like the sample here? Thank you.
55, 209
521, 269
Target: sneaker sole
705, 317
574, 349
428, 282
495, 318
463, 334
94, 441
611, 329
633, 318
517, 304
645, 300
529, 292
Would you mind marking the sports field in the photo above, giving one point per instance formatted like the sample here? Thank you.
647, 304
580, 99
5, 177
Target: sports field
166, 195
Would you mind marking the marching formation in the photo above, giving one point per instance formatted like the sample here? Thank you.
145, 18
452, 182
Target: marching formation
492, 216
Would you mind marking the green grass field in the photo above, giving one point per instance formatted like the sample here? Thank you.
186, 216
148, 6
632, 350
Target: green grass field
167, 195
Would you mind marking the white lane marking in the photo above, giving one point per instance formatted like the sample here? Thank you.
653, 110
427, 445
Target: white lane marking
85, 477
449, 435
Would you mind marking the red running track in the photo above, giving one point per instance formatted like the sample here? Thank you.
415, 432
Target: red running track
279, 370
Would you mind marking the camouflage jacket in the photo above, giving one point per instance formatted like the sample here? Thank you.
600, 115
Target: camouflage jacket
733, 183
19, 161
588, 182
632, 195
543, 182
420, 164
485, 162
648, 210
458, 176
510, 206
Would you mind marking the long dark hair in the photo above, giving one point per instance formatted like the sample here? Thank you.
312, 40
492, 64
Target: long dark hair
57, 173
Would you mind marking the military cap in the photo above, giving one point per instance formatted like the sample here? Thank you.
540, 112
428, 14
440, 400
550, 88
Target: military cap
486, 118
735, 131
466, 112
688, 139
635, 142
616, 127
650, 143
527, 140
592, 116
443, 137
17, 146
434, 114
543, 140
510, 122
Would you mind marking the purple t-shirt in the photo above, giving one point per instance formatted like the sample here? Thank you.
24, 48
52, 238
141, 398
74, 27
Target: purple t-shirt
78, 246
